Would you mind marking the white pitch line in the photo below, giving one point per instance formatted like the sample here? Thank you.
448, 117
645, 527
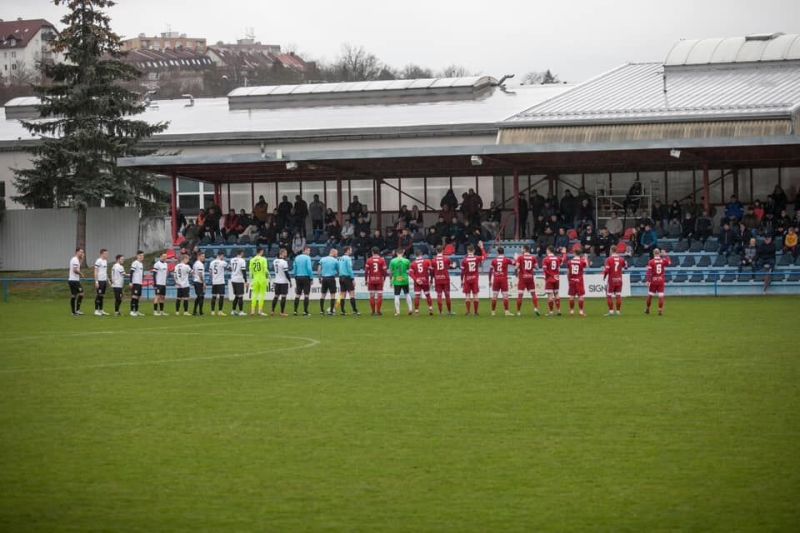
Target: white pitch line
90, 333
310, 343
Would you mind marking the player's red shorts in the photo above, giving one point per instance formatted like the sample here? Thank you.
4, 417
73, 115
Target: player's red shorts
422, 286
375, 286
551, 284
500, 284
614, 286
442, 285
576, 288
526, 284
471, 286
656, 286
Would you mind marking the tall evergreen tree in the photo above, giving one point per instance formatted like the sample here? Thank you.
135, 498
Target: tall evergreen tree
85, 123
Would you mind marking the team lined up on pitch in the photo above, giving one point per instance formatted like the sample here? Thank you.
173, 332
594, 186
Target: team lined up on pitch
254, 275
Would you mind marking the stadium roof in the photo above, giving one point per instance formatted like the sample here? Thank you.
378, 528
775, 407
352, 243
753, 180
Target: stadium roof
640, 92
209, 119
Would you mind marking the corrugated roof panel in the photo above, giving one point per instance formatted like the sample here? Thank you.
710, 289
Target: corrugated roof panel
777, 49
703, 52
752, 48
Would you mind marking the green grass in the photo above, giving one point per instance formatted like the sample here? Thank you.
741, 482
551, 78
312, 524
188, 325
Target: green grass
690, 421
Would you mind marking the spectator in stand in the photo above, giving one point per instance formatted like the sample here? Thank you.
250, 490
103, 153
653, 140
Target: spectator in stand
260, 211
416, 222
456, 231
743, 236
251, 232
704, 227
750, 219
285, 240
245, 219
749, 255
493, 218
182, 222
212, 226
758, 210
585, 214
536, 202
348, 232
433, 238
403, 219
604, 242
284, 212
232, 226
659, 214
193, 234
201, 221
553, 223
727, 239
449, 201
675, 211
674, 228
783, 219
790, 242
634, 197
778, 199
332, 227
545, 240
694, 209
561, 239
377, 241
649, 239
298, 244
523, 217
768, 226
354, 209
765, 259
588, 240
316, 210
300, 214
734, 210
474, 237
551, 207
583, 195
569, 208
614, 225
361, 245
689, 227
361, 225
406, 242
442, 227
635, 240
539, 223
366, 215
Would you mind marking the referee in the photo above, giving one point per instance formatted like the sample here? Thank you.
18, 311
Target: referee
327, 270
302, 271
346, 284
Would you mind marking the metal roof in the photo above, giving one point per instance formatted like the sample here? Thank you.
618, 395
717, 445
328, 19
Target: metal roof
749, 49
640, 92
211, 120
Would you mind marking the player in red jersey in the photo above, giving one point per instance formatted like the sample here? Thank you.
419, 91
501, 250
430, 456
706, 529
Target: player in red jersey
551, 266
440, 265
470, 274
422, 273
375, 274
526, 268
498, 279
612, 273
577, 288
656, 275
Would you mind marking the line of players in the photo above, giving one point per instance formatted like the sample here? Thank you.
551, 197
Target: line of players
423, 272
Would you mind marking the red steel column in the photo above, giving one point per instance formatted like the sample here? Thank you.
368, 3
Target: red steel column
218, 195
516, 204
174, 207
378, 206
339, 199
706, 189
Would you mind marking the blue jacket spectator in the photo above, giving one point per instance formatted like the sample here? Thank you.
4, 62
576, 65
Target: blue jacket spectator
734, 210
649, 239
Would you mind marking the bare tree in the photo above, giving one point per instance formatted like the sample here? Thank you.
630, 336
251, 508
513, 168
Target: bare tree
455, 71
21, 74
412, 71
356, 64
539, 78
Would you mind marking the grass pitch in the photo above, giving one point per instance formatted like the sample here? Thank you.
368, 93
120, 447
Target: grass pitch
686, 422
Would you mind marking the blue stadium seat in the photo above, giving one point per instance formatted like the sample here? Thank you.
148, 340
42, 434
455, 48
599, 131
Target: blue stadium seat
697, 278
720, 261
688, 261
697, 246
711, 246
734, 260
666, 246
244, 239
785, 260
793, 277
744, 277
597, 261
636, 277
681, 247
728, 278
704, 261
641, 261
680, 278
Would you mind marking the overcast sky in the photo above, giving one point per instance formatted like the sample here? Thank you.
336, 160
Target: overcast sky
576, 39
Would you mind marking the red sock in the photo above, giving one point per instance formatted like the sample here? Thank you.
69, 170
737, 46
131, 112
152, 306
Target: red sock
519, 302
494, 304
580, 304
550, 304
619, 303
475, 305
379, 306
429, 299
649, 301
558, 304
571, 304
468, 305
660, 303
416, 302
372, 302
505, 303
610, 302
447, 300
439, 300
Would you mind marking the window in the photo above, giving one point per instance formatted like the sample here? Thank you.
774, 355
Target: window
390, 198
289, 189
2, 189
185, 185
310, 188
14, 66
437, 188
413, 187
13, 54
362, 189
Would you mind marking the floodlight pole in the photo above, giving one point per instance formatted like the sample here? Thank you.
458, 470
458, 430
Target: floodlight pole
174, 207
516, 204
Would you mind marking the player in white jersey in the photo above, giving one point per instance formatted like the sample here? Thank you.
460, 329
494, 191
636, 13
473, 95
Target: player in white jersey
118, 281
238, 280
100, 282
75, 287
137, 278
199, 282
282, 281
160, 273
218, 267
182, 275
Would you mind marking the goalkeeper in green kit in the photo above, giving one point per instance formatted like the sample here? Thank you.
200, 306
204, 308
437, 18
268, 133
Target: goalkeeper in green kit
259, 282
398, 267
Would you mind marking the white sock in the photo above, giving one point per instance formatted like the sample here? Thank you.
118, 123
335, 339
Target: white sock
397, 304
409, 302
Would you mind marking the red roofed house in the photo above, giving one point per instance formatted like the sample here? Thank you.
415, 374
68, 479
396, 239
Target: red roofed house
23, 45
